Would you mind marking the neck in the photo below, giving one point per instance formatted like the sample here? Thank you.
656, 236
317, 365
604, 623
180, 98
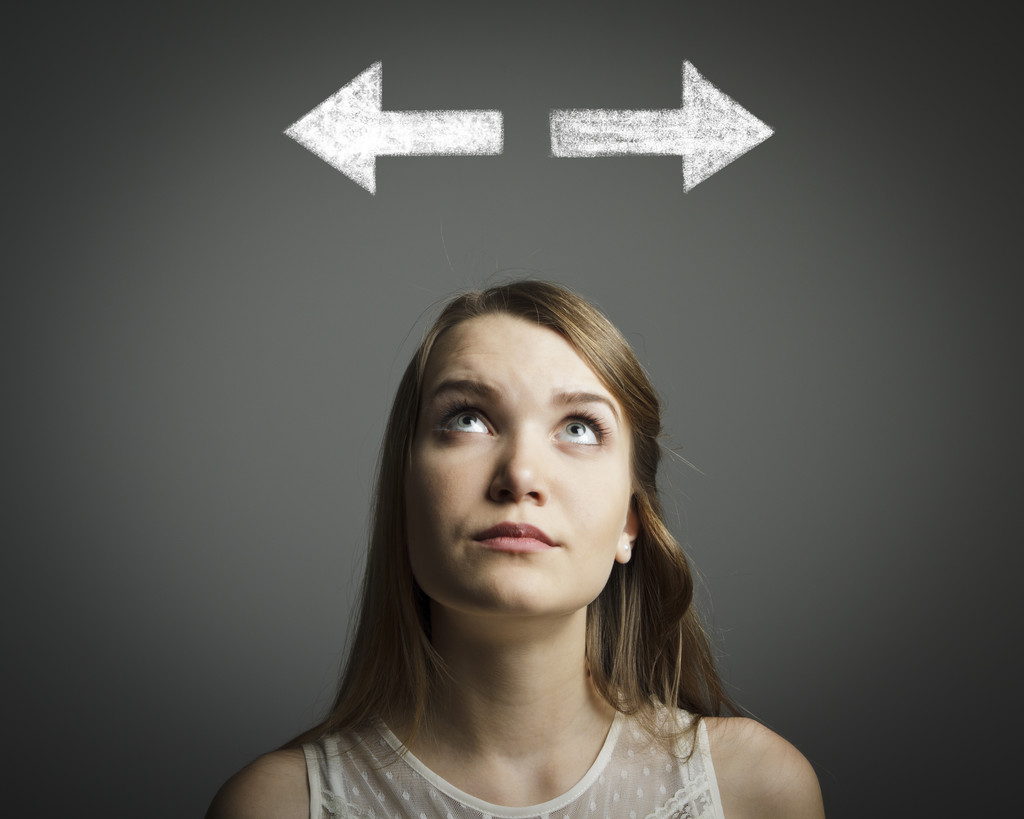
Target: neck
519, 700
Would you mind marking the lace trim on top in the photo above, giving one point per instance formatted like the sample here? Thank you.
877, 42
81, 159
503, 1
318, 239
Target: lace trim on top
490, 810
353, 776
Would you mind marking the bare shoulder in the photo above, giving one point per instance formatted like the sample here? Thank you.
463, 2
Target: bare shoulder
274, 786
760, 774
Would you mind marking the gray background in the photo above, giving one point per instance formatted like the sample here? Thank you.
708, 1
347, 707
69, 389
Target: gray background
203, 326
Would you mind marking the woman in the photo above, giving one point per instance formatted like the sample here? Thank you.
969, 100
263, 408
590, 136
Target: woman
526, 643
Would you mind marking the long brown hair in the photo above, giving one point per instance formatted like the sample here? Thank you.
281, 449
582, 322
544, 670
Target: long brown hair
646, 646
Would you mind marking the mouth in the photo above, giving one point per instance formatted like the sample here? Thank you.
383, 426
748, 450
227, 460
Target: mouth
514, 537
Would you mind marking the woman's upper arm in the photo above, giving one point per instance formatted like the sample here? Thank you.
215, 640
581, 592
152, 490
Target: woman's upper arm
760, 774
272, 787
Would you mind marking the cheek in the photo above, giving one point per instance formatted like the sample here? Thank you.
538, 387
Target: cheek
431, 501
425, 479
614, 515
608, 494
438, 477
433, 528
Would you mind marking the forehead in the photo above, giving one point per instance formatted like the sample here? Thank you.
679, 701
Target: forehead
503, 347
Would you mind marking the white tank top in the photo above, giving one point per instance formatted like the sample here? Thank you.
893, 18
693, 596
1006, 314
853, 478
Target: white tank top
357, 776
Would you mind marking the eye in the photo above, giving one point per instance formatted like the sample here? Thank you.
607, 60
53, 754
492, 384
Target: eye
578, 431
464, 421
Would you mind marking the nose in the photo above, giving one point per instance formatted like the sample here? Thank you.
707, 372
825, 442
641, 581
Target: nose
519, 474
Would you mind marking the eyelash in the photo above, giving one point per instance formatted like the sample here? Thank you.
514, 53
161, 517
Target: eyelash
592, 421
458, 406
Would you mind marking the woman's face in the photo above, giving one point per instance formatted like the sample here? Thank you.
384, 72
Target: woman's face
516, 431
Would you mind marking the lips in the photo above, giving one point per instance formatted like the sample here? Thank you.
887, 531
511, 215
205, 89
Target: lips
514, 537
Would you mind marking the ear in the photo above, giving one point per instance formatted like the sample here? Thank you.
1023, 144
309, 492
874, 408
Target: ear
629, 535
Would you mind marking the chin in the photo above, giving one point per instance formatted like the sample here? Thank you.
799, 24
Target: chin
513, 603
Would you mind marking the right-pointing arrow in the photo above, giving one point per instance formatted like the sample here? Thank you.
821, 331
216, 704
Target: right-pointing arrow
709, 131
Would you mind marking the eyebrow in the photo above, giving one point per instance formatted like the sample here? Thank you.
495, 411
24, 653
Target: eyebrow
464, 385
562, 398
578, 397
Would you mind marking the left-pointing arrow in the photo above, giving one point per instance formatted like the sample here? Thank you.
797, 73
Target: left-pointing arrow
349, 130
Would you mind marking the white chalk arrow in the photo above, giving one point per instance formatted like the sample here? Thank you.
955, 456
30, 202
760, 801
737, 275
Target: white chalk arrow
709, 131
349, 130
